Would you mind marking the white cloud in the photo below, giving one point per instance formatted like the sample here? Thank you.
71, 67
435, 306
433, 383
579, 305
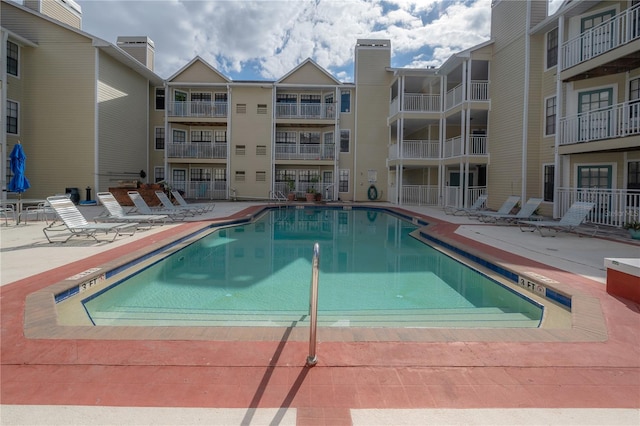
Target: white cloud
266, 39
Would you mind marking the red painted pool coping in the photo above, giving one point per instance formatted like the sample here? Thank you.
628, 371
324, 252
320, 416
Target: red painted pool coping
269, 371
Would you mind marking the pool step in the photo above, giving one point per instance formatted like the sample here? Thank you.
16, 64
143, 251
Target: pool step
459, 317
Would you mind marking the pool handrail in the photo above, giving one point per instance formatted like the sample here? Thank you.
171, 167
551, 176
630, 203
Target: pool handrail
312, 359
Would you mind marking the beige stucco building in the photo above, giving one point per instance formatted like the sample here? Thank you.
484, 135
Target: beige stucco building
548, 107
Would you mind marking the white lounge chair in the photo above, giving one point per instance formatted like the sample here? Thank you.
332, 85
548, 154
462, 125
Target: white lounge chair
570, 221
74, 222
505, 208
115, 212
477, 206
206, 207
168, 205
527, 212
142, 207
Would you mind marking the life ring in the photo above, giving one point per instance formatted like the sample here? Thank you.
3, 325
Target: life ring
372, 193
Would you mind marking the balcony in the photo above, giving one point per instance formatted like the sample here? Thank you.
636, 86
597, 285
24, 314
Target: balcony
206, 189
617, 31
415, 149
478, 91
306, 111
605, 123
287, 151
199, 150
454, 147
416, 102
197, 109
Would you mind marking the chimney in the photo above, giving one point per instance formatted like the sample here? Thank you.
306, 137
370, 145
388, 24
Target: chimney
66, 11
141, 48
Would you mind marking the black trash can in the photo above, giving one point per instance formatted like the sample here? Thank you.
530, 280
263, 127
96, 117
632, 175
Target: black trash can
74, 194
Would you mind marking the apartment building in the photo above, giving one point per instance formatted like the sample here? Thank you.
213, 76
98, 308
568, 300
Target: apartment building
547, 107
79, 105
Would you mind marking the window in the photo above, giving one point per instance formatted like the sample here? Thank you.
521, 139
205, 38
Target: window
345, 101
595, 177
343, 183
12, 58
200, 175
220, 136
633, 175
12, 117
310, 137
549, 179
159, 98
159, 137
179, 136
634, 90
286, 137
550, 116
180, 96
287, 98
201, 96
201, 136
345, 136
603, 36
597, 125
552, 48
158, 174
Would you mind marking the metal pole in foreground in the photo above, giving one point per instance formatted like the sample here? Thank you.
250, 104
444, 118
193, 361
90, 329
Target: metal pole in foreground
312, 359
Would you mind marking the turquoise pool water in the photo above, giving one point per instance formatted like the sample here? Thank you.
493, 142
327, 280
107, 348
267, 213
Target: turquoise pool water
372, 273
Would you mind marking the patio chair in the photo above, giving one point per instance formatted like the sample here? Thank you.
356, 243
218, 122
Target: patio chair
7, 211
206, 207
168, 205
74, 222
505, 208
477, 206
570, 221
142, 207
527, 212
115, 212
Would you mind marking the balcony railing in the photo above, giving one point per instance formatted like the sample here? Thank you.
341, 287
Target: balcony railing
613, 207
201, 109
617, 31
454, 147
307, 111
418, 102
478, 91
605, 123
197, 150
415, 149
419, 195
301, 188
287, 151
204, 190
453, 196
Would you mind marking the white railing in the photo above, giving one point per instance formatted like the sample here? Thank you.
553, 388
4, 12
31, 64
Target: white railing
614, 207
478, 91
415, 149
453, 196
419, 195
197, 109
477, 145
196, 150
204, 190
605, 123
301, 188
419, 102
289, 151
453, 147
617, 31
311, 111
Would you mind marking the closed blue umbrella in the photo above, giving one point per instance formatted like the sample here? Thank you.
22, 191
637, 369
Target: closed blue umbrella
19, 182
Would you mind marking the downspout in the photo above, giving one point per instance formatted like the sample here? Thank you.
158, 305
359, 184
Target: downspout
336, 146
148, 162
229, 139
525, 109
3, 113
441, 121
559, 102
273, 138
96, 121
167, 99
400, 136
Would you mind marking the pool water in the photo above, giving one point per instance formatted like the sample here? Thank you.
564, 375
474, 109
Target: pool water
372, 273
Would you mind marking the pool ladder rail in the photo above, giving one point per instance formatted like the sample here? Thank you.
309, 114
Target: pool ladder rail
312, 359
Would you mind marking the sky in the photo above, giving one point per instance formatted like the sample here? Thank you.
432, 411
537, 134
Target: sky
265, 39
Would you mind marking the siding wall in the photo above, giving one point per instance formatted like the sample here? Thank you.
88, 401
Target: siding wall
57, 104
122, 113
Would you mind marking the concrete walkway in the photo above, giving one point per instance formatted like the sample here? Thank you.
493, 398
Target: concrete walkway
577, 371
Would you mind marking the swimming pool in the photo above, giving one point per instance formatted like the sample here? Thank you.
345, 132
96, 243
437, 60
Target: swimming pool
373, 273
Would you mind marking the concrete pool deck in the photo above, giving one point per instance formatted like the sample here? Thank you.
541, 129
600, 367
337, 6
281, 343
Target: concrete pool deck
261, 379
